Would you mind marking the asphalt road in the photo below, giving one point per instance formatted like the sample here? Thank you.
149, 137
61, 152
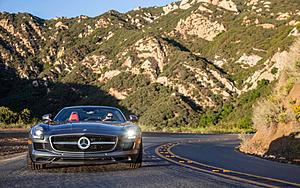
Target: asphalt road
170, 160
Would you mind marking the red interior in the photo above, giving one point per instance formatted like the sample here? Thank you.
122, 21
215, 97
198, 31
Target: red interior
74, 116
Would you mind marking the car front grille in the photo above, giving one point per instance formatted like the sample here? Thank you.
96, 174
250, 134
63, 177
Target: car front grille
69, 143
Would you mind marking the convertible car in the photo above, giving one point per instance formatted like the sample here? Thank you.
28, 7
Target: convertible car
82, 135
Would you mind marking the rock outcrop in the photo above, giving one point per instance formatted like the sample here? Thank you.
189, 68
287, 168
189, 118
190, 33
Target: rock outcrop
200, 26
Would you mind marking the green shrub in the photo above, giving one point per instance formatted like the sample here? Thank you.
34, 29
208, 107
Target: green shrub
142, 99
169, 112
274, 70
127, 80
245, 123
298, 64
209, 118
25, 117
239, 114
214, 117
289, 86
7, 116
252, 95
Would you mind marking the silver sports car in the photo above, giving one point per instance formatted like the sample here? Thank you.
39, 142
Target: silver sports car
85, 135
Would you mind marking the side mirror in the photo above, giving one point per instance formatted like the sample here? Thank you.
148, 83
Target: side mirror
133, 118
47, 118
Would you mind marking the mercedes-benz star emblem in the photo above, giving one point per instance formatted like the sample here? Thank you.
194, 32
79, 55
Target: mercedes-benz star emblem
84, 143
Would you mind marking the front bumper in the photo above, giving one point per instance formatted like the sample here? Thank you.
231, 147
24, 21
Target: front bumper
49, 157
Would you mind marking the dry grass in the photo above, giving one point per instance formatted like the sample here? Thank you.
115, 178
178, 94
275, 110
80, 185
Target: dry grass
265, 114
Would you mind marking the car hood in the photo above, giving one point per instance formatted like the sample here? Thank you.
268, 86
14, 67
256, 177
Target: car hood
87, 127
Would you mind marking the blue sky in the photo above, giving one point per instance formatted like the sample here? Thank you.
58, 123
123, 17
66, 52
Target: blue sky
71, 8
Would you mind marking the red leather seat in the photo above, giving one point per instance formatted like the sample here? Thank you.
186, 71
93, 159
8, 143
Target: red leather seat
74, 117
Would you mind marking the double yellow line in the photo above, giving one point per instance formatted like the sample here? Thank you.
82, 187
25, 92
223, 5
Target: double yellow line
164, 151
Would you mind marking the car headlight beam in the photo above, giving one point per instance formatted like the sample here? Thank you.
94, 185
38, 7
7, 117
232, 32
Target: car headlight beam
131, 133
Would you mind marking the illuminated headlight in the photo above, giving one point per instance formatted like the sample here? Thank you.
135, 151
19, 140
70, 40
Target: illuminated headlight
38, 133
131, 133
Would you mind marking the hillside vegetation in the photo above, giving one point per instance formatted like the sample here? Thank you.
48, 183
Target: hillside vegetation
277, 117
190, 65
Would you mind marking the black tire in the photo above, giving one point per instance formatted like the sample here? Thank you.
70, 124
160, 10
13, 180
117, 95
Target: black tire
137, 161
33, 166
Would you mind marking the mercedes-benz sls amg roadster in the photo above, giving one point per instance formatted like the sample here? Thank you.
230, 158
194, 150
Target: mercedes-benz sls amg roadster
82, 135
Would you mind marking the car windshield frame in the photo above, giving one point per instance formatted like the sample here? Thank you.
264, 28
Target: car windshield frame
87, 112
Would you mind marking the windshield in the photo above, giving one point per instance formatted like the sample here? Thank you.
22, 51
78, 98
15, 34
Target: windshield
89, 114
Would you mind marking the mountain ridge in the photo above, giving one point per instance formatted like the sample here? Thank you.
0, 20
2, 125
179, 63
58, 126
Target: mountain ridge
202, 54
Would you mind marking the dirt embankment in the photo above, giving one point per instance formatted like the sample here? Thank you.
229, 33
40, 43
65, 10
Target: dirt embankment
279, 140
12, 142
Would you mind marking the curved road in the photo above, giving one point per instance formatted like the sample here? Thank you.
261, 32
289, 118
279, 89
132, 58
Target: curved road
170, 160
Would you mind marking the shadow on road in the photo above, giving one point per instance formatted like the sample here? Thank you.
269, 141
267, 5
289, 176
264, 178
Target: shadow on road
286, 146
85, 168
100, 168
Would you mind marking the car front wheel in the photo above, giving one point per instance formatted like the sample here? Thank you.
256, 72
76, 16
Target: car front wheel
138, 159
32, 165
